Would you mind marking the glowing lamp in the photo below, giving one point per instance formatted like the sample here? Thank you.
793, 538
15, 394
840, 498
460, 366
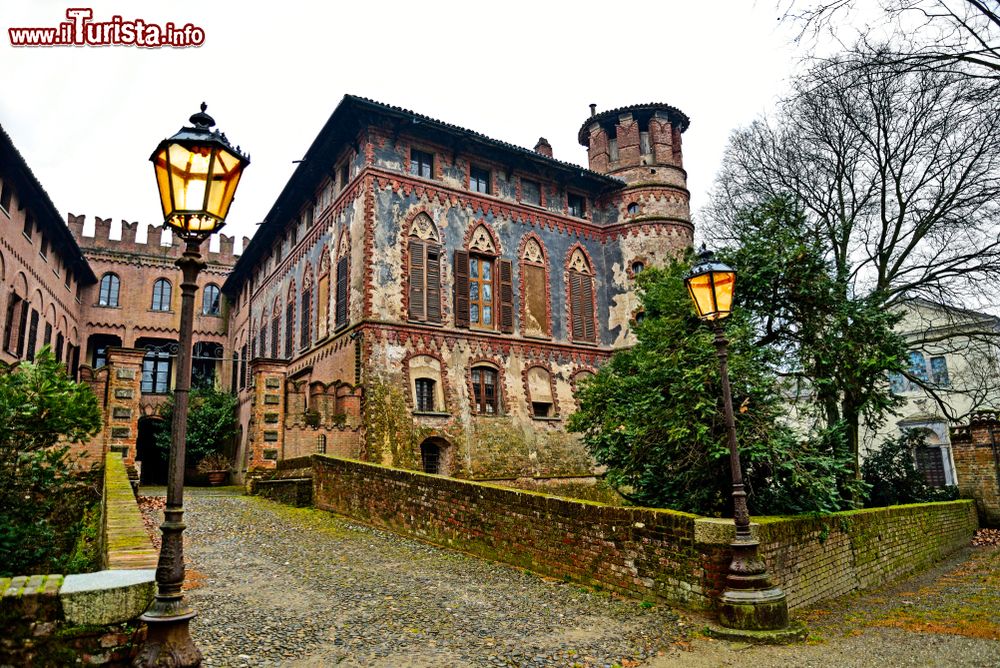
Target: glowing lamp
711, 284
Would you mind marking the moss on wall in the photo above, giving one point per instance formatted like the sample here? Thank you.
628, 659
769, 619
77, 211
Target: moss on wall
389, 431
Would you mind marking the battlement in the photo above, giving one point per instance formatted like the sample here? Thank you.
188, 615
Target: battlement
159, 242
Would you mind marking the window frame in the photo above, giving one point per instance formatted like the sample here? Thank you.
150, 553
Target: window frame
424, 390
214, 308
418, 166
576, 212
479, 401
480, 180
111, 299
162, 296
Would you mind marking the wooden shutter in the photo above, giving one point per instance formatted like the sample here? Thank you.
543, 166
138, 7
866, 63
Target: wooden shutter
433, 283
506, 297
342, 291
587, 299
461, 269
418, 295
576, 305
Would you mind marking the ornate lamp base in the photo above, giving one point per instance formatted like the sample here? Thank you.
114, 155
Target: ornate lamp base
168, 642
751, 602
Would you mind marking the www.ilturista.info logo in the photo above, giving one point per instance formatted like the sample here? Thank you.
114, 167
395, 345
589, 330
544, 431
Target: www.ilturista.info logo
81, 30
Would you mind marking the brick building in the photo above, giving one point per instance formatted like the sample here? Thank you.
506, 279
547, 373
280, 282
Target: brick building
425, 296
419, 294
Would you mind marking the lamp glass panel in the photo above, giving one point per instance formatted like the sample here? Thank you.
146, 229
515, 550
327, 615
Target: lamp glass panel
725, 283
163, 181
700, 288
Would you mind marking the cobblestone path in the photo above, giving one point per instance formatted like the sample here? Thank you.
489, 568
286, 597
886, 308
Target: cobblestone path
275, 585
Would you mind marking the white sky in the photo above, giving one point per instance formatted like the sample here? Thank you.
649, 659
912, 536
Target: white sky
87, 118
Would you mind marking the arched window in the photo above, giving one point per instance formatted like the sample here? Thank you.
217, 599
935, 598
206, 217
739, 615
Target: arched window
483, 285
161, 295
262, 343
108, 295
323, 296
424, 270
485, 390
580, 277
305, 336
343, 251
275, 327
535, 292
210, 300
290, 322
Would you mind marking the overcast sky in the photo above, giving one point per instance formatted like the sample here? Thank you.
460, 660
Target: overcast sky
87, 118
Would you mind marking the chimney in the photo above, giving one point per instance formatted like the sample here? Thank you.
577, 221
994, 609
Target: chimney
543, 147
593, 109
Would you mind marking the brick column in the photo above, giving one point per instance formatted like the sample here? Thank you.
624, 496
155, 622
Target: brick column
121, 426
94, 449
265, 437
976, 450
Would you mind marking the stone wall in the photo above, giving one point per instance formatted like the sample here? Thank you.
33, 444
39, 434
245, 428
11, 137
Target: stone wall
976, 450
647, 553
123, 534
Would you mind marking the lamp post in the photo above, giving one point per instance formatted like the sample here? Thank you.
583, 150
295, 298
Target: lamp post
750, 601
197, 171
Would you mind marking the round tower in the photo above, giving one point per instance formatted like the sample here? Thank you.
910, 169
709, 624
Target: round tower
641, 145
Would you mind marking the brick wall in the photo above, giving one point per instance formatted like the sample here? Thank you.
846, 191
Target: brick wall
646, 553
976, 451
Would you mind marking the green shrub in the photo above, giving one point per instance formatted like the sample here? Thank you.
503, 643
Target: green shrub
211, 424
893, 475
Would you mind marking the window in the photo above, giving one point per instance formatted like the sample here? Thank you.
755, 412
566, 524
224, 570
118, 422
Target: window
430, 457
5, 194
425, 394
633, 208
540, 392
581, 299
17, 310
262, 337
161, 295
108, 295
29, 354
60, 341
234, 380
290, 324
637, 267
47, 336
305, 324
531, 192
481, 291
66, 277
210, 300
156, 370
99, 344
294, 235
341, 315
485, 399
323, 298
939, 371
275, 329
243, 366
421, 164
44, 249
644, 148
535, 300
29, 226
424, 271
345, 175
204, 361
477, 282
479, 180
577, 205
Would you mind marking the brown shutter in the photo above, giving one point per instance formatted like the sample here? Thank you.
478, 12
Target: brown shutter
576, 305
506, 297
461, 269
418, 297
587, 299
433, 283
342, 291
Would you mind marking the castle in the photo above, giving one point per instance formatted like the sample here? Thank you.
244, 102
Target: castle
419, 294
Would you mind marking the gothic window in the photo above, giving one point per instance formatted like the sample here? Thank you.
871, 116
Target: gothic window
210, 300
290, 322
323, 296
424, 271
583, 327
540, 392
535, 300
161, 295
485, 394
483, 285
275, 327
108, 295
305, 336
343, 251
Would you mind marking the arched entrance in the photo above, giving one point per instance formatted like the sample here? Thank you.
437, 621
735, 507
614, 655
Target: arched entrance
435, 456
153, 459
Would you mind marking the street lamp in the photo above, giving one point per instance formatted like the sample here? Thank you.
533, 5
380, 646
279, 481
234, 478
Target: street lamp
197, 171
750, 602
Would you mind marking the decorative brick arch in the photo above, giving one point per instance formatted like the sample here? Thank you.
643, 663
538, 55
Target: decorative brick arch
578, 261
342, 288
290, 311
306, 307
552, 386
575, 378
502, 399
473, 238
526, 257
420, 228
276, 327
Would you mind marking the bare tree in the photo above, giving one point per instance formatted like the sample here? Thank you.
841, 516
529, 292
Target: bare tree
897, 172
960, 36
